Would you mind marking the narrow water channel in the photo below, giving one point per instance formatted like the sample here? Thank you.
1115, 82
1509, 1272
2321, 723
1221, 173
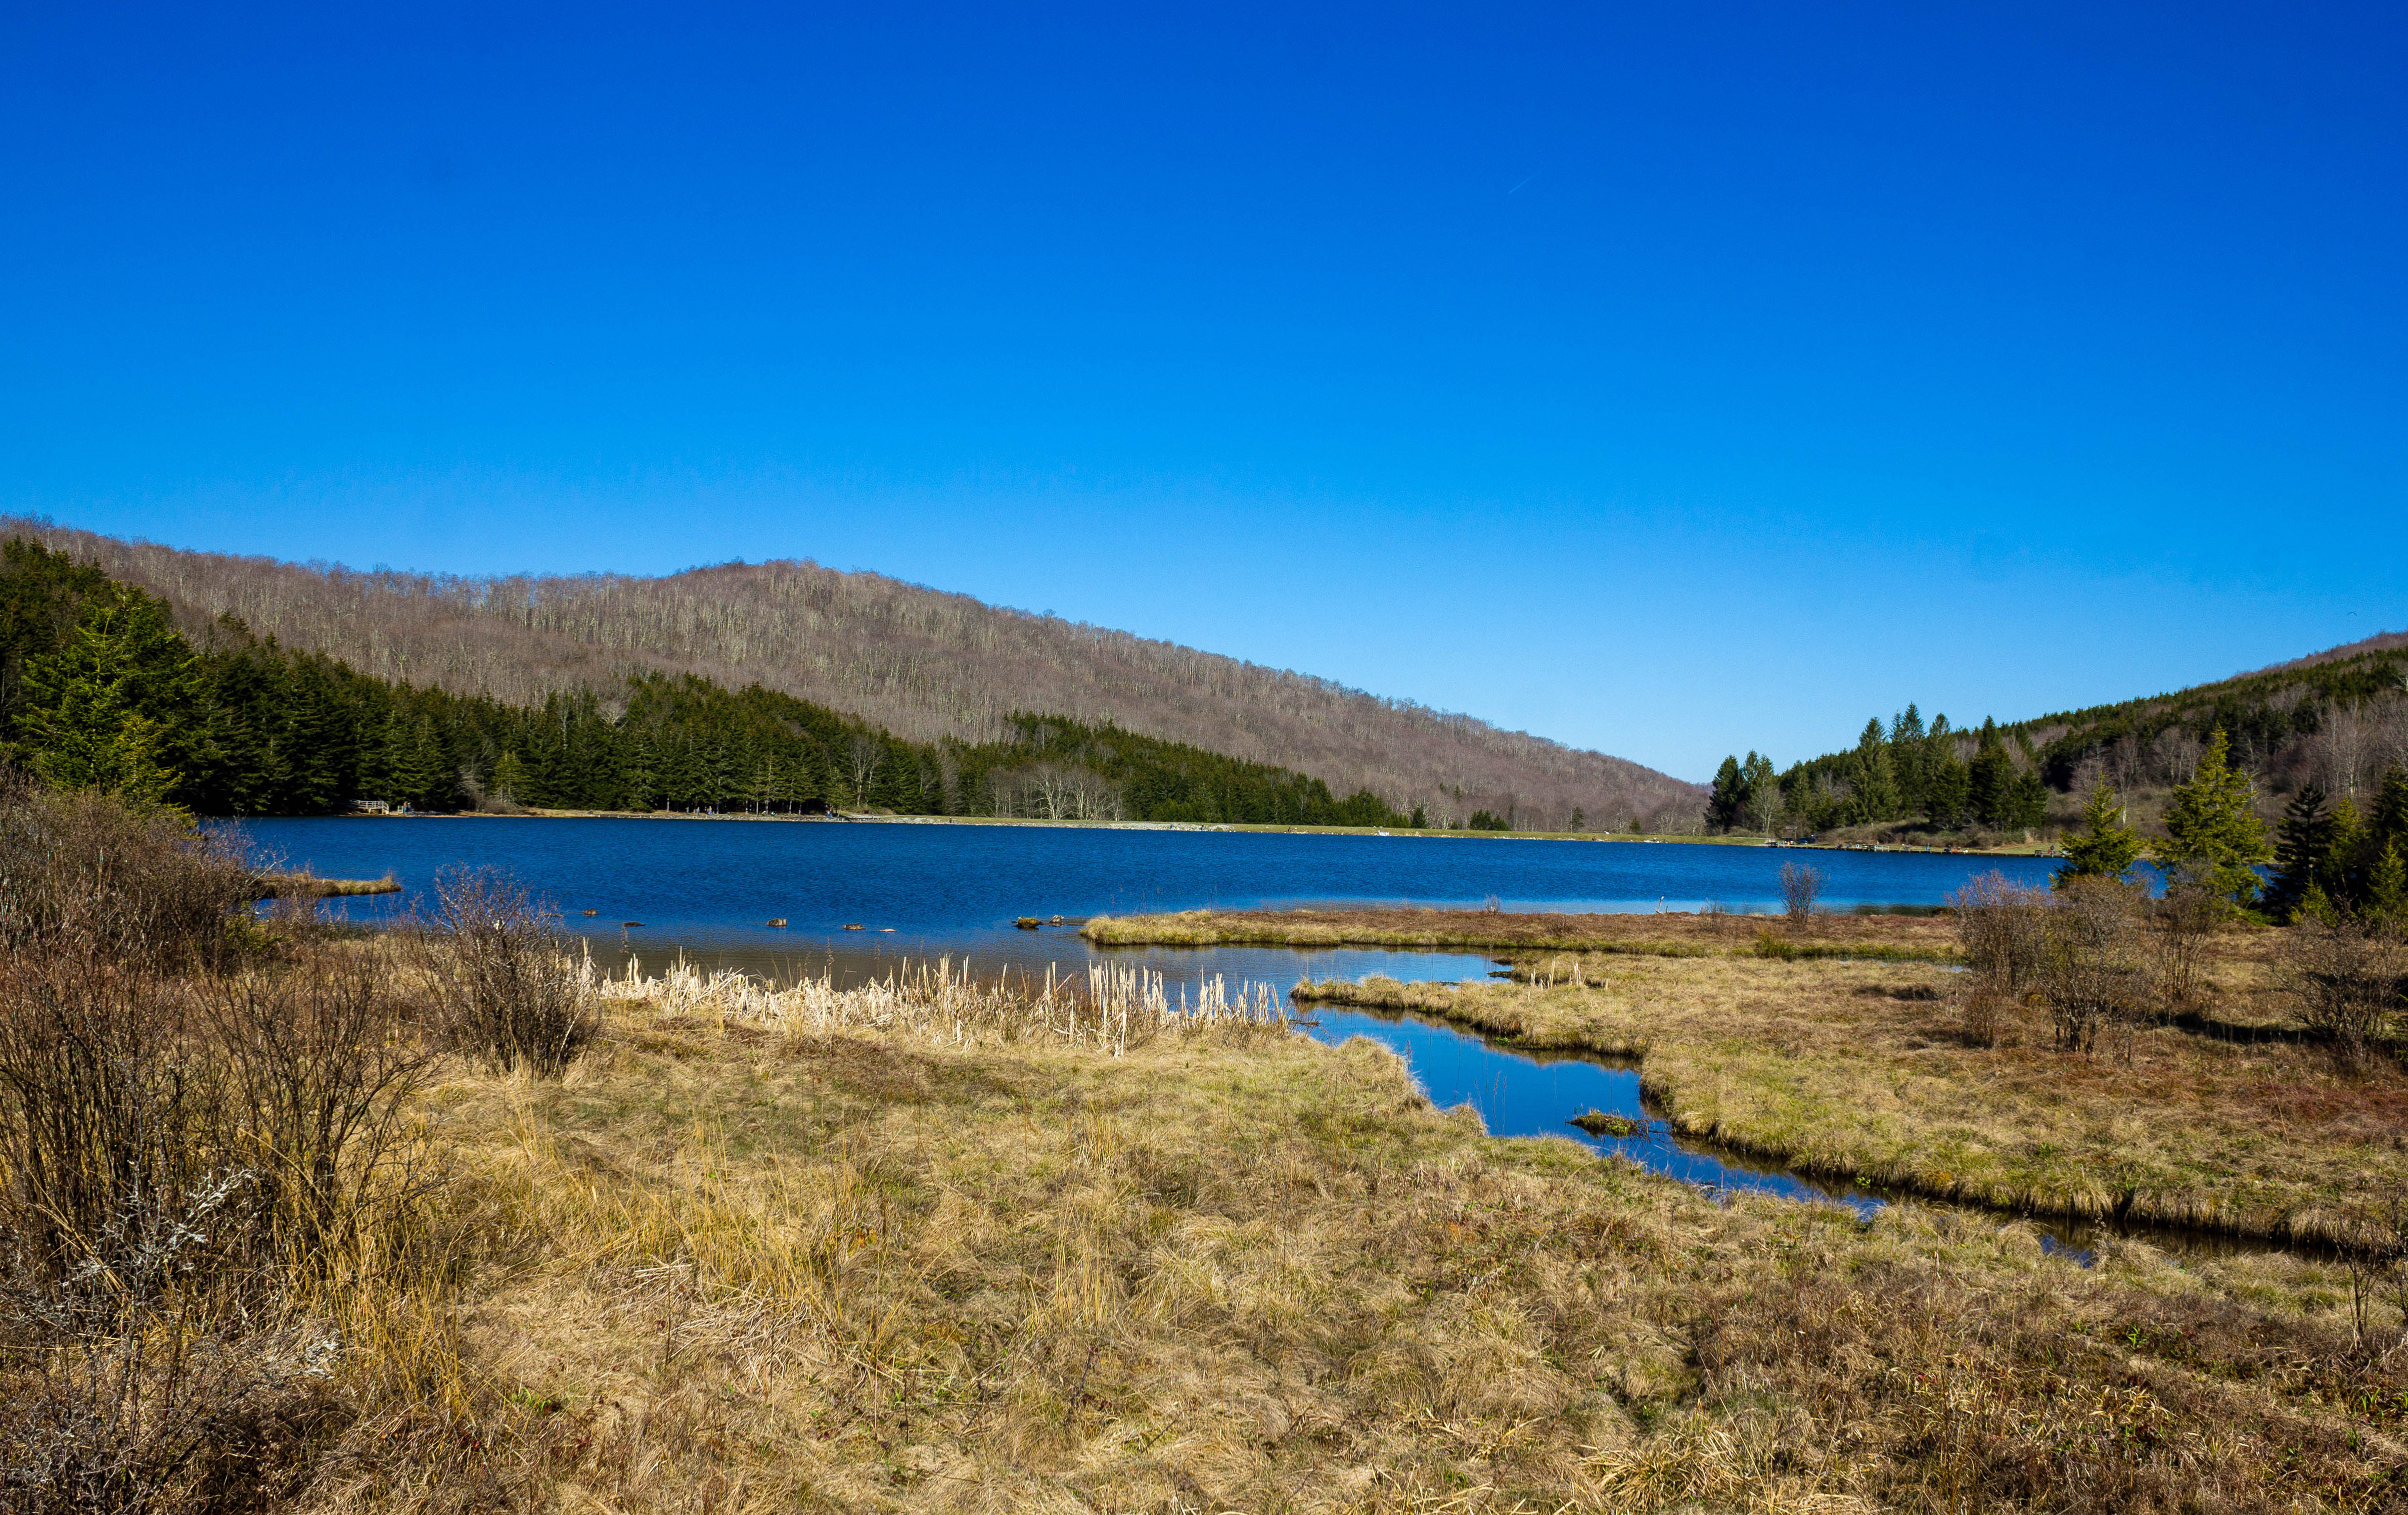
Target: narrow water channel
1522, 1092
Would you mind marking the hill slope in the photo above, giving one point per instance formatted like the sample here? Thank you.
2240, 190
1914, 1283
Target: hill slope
2336, 720
920, 663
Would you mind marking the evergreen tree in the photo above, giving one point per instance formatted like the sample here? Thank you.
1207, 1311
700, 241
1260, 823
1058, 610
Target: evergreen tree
2215, 831
110, 709
2028, 799
2302, 851
2388, 824
1726, 807
2105, 848
425, 777
1763, 791
1948, 792
1991, 780
509, 778
2386, 891
316, 741
2342, 877
1876, 785
1909, 761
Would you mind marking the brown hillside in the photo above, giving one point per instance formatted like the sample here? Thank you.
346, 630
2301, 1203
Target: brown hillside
921, 662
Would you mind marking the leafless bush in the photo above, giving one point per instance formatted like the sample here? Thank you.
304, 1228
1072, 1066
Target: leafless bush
2094, 966
203, 1160
1801, 885
82, 874
1982, 1009
2181, 924
497, 970
2345, 978
169, 1420
2000, 925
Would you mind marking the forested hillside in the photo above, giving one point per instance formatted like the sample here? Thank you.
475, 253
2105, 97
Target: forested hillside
924, 667
2334, 722
100, 691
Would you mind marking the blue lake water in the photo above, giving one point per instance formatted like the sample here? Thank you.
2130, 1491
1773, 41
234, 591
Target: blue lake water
707, 888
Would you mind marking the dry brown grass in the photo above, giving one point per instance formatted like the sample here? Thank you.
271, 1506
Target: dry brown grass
1864, 1070
1672, 935
745, 1264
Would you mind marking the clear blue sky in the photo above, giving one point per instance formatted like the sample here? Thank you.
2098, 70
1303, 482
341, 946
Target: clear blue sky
1669, 379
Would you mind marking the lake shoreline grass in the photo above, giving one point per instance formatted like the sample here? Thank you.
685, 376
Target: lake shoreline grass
1835, 1048
837, 1268
1633, 933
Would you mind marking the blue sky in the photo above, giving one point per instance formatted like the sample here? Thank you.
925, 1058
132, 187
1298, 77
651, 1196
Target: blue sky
1669, 379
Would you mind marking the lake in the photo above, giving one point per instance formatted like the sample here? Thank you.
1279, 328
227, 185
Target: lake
706, 889
709, 887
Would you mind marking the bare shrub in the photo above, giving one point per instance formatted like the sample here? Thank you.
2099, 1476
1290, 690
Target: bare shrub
2344, 976
206, 1178
1983, 1011
193, 1177
1801, 885
2182, 925
498, 972
2096, 966
79, 873
1999, 925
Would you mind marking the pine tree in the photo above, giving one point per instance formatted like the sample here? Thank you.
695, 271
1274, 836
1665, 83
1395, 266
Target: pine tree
2105, 847
2216, 834
2342, 878
110, 709
2303, 850
1876, 784
510, 778
1991, 780
1726, 807
2027, 798
2388, 825
1907, 760
1948, 792
2386, 891
1763, 789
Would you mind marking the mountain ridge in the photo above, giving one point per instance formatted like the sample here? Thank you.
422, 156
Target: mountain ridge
923, 662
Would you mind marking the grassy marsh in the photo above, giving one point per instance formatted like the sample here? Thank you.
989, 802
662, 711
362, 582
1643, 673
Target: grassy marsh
746, 1264
1804, 1046
1670, 935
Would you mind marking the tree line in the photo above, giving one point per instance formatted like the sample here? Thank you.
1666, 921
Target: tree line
99, 690
2327, 862
920, 664
1904, 771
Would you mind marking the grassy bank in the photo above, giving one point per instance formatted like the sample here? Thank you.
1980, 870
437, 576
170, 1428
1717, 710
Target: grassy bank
1675, 935
439, 1222
1846, 1067
744, 1260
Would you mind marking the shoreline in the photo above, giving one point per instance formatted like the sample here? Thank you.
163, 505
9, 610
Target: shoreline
1257, 828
